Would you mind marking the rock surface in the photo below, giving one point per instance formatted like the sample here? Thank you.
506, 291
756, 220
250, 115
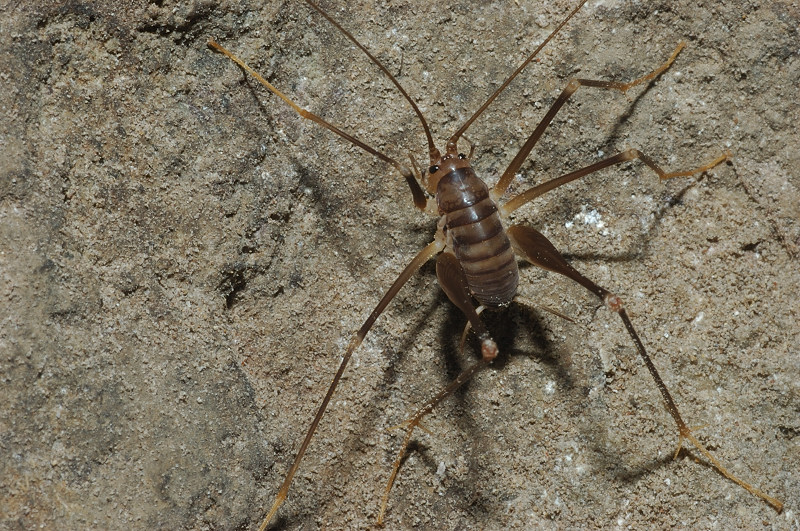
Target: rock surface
183, 260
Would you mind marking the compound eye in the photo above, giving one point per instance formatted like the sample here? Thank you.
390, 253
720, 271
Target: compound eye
462, 156
433, 169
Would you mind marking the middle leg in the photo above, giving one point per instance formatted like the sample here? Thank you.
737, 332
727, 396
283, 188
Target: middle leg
631, 154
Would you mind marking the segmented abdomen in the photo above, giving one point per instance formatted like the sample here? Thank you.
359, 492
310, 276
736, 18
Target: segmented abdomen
479, 241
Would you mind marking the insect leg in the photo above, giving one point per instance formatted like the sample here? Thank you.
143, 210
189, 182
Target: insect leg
519, 200
537, 249
454, 283
423, 256
416, 191
505, 180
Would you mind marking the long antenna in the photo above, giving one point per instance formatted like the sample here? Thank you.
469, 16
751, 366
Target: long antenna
434, 153
451, 144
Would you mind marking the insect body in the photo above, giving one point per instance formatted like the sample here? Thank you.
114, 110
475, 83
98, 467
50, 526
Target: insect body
476, 248
475, 233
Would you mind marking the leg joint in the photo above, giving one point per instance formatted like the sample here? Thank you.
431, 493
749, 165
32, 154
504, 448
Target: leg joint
614, 303
572, 86
489, 349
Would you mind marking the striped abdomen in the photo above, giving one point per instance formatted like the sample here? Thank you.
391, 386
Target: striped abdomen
479, 241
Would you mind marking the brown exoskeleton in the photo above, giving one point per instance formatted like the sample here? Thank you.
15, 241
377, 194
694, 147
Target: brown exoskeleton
477, 251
